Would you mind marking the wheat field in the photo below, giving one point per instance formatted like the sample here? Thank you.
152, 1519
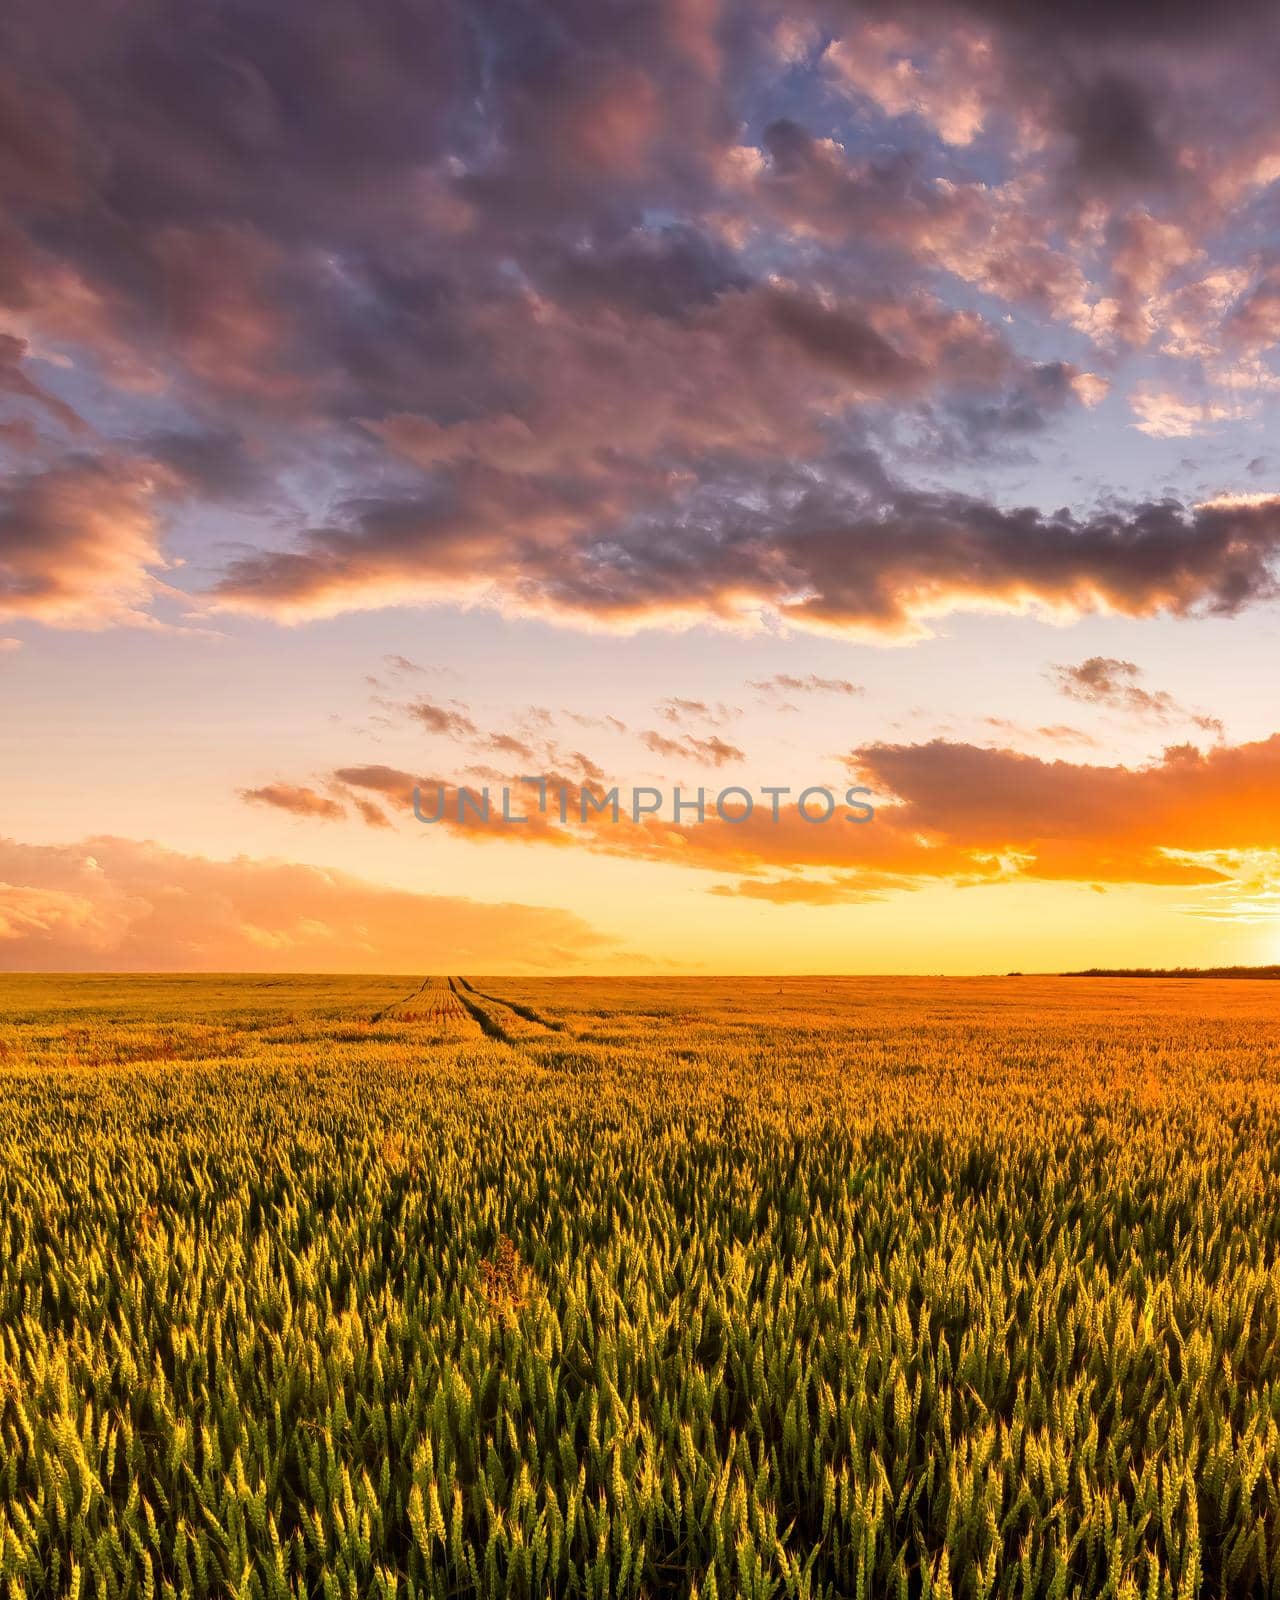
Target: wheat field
346, 1287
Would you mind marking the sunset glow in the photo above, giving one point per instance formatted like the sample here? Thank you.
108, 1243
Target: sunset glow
663, 395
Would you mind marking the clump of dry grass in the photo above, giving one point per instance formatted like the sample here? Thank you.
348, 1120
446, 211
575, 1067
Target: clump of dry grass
504, 1279
397, 1154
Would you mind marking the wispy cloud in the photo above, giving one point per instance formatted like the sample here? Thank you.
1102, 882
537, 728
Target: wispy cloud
1107, 681
712, 750
809, 683
298, 799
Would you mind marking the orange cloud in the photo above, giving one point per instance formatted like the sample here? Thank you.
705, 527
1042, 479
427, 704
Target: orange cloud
296, 798
110, 904
438, 719
1059, 819
945, 811
302, 801
79, 543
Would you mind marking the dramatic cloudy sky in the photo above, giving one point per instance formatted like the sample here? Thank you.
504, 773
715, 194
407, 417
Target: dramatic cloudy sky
639, 393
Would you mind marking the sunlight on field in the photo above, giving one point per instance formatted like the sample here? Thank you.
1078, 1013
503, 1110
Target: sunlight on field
359, 1286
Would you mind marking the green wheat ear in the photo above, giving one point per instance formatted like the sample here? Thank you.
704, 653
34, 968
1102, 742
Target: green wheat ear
597, 1298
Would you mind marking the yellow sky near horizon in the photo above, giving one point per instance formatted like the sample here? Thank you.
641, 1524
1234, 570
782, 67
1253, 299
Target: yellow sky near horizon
779, 397
161, 738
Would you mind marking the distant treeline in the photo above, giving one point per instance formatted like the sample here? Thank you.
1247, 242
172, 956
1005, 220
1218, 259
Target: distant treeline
1176, 972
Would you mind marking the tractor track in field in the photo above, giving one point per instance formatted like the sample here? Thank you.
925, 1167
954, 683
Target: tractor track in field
457, 1004
378, 1016
487, 1025
527, 1013
434, 1000
500, 1019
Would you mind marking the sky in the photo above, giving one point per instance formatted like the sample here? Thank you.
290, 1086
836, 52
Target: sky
424, 395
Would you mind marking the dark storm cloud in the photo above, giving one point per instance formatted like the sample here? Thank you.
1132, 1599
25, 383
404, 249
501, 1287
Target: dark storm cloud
79, 541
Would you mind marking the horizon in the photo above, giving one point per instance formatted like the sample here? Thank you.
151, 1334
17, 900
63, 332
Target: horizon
1262, 974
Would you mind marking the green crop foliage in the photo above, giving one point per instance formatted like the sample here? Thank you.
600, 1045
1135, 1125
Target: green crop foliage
613, 1288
